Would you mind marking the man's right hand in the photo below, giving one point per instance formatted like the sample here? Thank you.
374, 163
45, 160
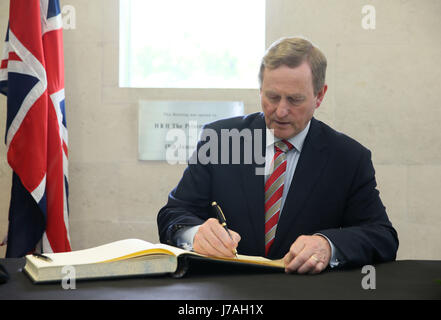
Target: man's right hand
213, 240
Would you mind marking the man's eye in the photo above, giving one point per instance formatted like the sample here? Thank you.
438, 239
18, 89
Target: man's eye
295, 101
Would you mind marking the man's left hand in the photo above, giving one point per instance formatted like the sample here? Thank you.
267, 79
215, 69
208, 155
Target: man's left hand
308, 254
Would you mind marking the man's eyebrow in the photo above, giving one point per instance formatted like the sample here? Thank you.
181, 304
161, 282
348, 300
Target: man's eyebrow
297, 96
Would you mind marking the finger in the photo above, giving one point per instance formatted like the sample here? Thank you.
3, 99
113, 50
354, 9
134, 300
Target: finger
319, 267
206, 242
287, 259
219, 239
294, 250
226, 244
228, 238
323, 251
298, 246
300, 253
203, 246
309, 265
217, 246
236, 237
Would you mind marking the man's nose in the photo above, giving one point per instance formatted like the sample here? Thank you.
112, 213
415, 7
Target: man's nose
282, 109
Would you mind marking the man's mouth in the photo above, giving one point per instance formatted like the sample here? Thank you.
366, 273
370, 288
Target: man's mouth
281, 123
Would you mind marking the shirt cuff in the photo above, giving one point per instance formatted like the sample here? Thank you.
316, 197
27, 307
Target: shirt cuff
184, 237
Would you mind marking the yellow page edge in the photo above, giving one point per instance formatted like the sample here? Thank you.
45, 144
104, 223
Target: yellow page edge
139, 254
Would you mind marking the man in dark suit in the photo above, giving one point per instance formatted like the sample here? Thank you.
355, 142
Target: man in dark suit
316, 203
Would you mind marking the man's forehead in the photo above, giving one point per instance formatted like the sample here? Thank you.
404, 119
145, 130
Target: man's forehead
302, 67
290, 80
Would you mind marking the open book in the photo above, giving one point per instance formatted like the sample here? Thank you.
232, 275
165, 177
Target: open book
124, 258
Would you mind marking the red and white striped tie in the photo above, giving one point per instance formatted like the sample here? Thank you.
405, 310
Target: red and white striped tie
274, 191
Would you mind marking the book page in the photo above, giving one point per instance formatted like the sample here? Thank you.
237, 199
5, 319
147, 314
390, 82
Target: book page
154, 249
98, 254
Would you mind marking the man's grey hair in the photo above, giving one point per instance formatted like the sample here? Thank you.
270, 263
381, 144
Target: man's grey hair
292, 52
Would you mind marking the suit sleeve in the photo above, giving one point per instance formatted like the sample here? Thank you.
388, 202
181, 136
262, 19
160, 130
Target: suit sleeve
366, 235
188, 203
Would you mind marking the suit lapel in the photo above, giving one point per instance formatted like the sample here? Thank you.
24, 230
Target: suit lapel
253, 187
309, 168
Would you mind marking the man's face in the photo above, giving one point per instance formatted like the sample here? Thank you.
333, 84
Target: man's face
288, 100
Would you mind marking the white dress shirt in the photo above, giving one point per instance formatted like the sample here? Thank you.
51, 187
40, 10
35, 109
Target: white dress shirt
292, 157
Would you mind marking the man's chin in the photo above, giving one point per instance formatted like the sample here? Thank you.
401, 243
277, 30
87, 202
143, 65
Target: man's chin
283, 133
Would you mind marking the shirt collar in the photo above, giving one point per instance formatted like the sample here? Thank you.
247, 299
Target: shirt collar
297, 141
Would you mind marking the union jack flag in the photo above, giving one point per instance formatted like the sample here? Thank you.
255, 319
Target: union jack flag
32, 78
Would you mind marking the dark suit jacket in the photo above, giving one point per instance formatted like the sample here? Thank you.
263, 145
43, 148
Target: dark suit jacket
333, 192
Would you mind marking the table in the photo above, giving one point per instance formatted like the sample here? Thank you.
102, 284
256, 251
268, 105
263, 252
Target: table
406, 279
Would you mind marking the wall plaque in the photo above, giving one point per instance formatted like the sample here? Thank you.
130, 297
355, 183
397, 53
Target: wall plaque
169, 130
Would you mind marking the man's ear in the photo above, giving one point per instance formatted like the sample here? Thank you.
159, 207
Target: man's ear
321, 95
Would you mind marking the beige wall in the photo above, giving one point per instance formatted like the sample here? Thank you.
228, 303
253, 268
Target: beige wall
383, 88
